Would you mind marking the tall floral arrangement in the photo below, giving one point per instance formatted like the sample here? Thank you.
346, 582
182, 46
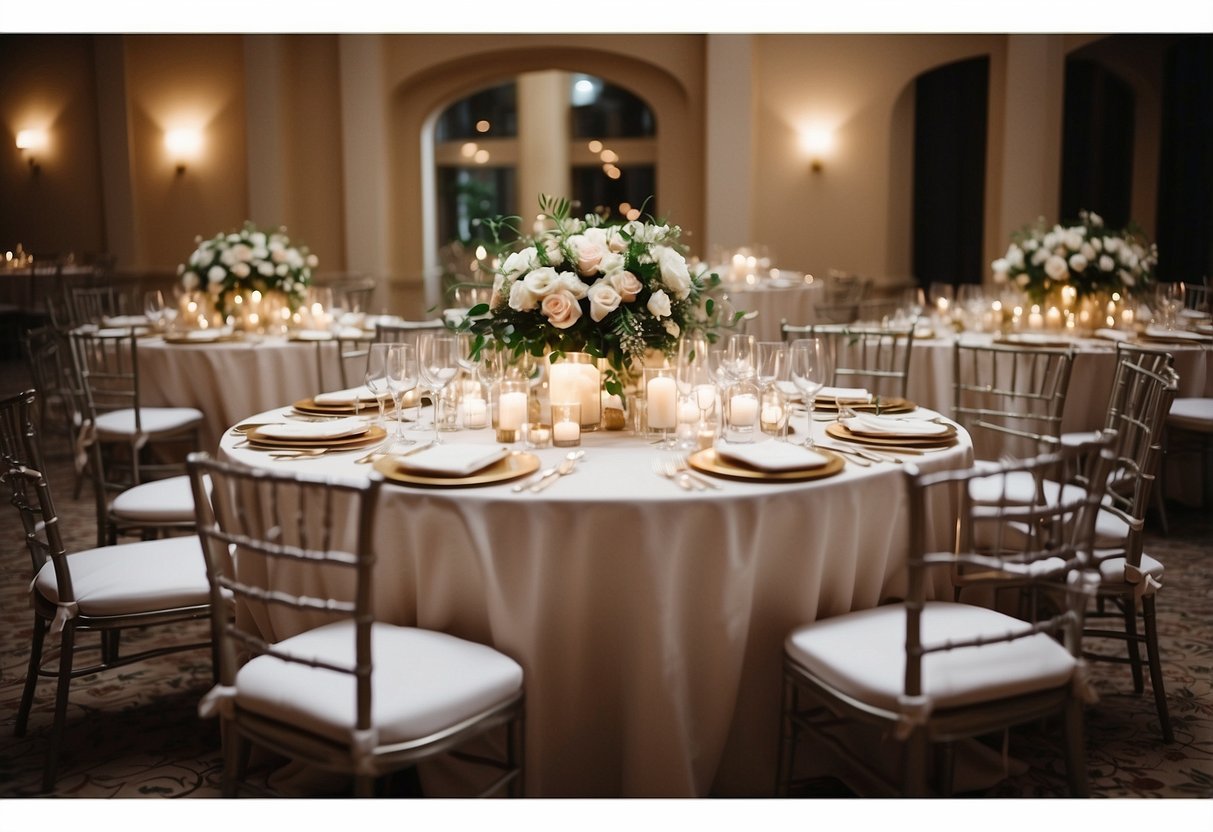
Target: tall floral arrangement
1085, 255
248, 260
614, 290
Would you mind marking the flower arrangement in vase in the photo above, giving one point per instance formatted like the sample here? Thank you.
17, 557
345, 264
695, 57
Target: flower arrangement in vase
1086, 256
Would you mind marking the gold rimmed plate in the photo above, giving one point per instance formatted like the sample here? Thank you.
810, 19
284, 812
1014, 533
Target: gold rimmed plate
310, 406
1032, 339
890, 405
841, 432
219, 338
372, 435
511, 467
710, 462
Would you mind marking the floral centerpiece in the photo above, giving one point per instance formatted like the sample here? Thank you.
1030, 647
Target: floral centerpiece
1085, 255
616, 291
248, 260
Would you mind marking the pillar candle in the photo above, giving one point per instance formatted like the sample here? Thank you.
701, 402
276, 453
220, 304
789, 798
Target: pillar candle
663, 398
743, 410
513, 411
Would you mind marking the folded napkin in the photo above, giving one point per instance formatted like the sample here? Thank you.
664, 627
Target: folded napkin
1174, 334
312, 335
452, 460
771, 455
204, 335
125, 320
349, 396
1194, 314
1113, 334
850, 393
335, 429
871, 424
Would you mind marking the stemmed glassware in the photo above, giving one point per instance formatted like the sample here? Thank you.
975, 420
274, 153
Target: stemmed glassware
695, 378
741, 356
438, 362
376, 376
774, 379
1170, 300
809, 369
402, 375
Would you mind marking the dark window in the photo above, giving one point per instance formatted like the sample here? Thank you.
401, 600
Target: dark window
469, 194
604, 111
494, 109
636, 185
950, 172
1097, 144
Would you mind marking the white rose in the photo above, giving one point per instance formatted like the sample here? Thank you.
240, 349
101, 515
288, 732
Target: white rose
278, 255
312, 261
1088, 251
1022, 280
1055, 267
611, 263
1015, 257
674, 272
283, 270
266, 269
1073, 239
1111, 244
569, 282
671, 327
521, 262
1106, 263
540, 282
1078, 262
241, 270
242, 253
659, 304
1094, 219
1097, 244
1039, 256
190, 281
616, 243
257, 238
1127, 279
216, 274
603, 300
228, 257
627, 285
551, 248
587, 252
521, 298
1001, 266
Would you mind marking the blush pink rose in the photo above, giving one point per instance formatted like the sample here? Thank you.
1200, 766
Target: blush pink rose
588, 251
561, 309
627, 285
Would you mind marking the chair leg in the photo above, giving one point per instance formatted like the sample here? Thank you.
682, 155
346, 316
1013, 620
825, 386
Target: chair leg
516, 756
915, 757
1130, 615
364, 786
235, 758
66, 647
1160, 694
31, 676
945, 765
110, 642
787, 740
1076, 751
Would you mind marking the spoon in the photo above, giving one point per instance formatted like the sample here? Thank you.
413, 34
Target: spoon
565, 467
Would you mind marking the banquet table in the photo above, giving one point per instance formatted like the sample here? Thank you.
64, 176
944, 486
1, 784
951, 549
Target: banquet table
649, 620
774, 300
227, 380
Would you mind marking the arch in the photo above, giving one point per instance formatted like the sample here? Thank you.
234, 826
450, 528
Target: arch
417, 100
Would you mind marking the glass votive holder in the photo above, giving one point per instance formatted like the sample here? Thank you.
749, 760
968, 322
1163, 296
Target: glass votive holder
741, 413
566, 424
773, 412
536, 435
511, 409
661, 397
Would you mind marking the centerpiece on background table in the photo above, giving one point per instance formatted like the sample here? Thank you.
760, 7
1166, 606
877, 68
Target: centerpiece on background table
250, 276
1082, 261
586, 288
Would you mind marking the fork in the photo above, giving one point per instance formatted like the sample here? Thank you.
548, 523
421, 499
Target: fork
683, 467
663, 469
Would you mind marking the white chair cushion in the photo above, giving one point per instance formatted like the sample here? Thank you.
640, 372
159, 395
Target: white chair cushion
1112, 570
169, 500
423, 681
1192, 414
1018, 487
862, 654
133, 577
154, 420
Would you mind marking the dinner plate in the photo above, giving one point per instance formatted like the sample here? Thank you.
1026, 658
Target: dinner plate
200, 337
310, 406
373, 435
840, 432
1033, 339
325, 429
709, 462
869, 424
1173, 336
889, 405
517, 464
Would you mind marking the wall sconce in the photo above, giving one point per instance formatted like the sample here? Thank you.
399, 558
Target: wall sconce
817, 142
29, 142
183, 144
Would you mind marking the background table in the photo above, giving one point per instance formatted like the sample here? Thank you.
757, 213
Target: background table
649, 621
775, 301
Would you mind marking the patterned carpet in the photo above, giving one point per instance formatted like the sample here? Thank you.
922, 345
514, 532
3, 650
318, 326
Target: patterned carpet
135, 732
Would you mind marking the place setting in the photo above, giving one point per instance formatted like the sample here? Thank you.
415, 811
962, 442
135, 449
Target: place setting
769, 460
296, 439
901, 433
454, 465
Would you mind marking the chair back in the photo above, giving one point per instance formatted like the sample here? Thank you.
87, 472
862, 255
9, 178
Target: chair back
108, 367
1009, 519
54, 375
1144, 387
23, 471
281, 542
1010, 398
875, 358
841, 296
89, 304
1196, 298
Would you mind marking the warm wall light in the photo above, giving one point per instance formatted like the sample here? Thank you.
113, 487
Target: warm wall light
183, 144
30, 142
817, 142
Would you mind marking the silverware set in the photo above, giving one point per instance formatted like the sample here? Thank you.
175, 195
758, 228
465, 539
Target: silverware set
544, 478
676, 469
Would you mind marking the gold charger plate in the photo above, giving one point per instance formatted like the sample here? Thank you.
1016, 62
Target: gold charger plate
890, 405
709, 462
169, 338
310, 406
1029, 340
516, 464
841, 432
373, 435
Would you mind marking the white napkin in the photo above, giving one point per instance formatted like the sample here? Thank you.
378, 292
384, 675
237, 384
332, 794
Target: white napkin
1113, 334
204, 335
349, 396
335, 429
844, 393
452, 460
125, 320
312, 335
1034, 338
771, 455
1174, 334
871, 424
1194, 314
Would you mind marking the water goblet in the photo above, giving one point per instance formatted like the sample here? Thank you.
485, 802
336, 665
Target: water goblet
1170, 300
402, 376
438, 363
375, 377
809, 369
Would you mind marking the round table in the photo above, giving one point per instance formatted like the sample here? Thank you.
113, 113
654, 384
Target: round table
649, 620
775, 300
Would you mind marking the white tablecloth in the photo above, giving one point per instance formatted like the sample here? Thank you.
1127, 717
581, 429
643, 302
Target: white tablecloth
229, 380
649, 621
775, 301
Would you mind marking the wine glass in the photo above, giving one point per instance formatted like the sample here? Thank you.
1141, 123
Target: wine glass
1170, 299
694, 376
438, 363
154, 308
809, 369
375, 377
401, 377
741, 355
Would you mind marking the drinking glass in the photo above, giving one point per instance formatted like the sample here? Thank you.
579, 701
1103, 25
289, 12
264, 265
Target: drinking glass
438, 357
1169, 297
741, 355
154, 308
402, 376
375, 376
809, 369
774, 378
